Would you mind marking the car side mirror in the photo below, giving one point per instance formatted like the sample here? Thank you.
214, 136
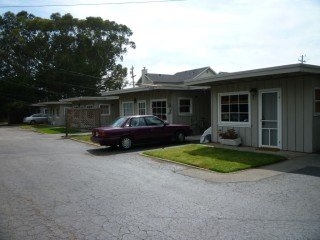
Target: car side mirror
165, 124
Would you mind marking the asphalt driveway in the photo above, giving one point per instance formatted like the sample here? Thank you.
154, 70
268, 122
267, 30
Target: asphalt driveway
52, 188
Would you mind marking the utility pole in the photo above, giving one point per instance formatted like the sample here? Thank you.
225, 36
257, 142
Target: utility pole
132, 76
301, 59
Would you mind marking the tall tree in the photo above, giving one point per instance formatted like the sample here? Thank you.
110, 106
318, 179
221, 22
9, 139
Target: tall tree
49, 59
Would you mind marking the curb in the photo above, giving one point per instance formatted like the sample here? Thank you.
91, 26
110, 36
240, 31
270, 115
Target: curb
77, 140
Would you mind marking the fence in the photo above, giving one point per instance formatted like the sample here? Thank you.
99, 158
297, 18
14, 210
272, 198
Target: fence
83, 118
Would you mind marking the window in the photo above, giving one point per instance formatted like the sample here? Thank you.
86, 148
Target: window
105, 109
185, 106
234, 108
127, 108
154, 121
142, 107
159, 108
317, 101
138, 122
89, 106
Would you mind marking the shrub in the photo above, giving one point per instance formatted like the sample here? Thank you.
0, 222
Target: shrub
229, 134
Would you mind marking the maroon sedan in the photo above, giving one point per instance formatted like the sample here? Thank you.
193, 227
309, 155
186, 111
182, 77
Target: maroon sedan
129, 130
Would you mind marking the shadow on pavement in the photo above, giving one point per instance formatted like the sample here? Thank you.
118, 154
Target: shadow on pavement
308, 170
107, 151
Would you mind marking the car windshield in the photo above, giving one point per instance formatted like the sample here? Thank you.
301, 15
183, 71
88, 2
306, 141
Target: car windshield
118, 122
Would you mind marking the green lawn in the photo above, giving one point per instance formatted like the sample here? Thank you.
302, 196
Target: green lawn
48, 129
215, 159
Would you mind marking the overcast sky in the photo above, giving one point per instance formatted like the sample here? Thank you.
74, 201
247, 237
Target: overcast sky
227, 35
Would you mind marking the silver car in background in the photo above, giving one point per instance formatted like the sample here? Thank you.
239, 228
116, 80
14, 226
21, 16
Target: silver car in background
36, 118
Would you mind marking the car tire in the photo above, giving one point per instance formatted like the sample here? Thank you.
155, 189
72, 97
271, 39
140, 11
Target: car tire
32, 122
126, 143
180, 137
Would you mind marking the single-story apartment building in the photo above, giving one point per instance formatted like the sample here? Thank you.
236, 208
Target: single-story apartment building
276, 107
167, 97
56, 111
109, 106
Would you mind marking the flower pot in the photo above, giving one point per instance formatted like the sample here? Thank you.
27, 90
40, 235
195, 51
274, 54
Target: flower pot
231, 142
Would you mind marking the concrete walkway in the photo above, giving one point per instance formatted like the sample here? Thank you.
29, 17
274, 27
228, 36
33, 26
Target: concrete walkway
256, 174
294, 162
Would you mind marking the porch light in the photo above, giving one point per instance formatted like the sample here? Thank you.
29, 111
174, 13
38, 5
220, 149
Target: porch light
253, 92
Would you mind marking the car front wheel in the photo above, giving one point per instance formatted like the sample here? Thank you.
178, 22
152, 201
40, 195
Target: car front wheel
180, 137
126, 143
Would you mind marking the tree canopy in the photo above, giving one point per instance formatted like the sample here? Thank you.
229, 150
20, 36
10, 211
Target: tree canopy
49, 59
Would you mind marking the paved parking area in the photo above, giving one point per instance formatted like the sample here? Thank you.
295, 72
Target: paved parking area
52, 188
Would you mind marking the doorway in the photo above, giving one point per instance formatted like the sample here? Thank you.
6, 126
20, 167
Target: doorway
270, 118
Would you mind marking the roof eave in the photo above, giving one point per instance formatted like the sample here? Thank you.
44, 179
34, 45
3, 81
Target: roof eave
286, 69
88, 98
146, 88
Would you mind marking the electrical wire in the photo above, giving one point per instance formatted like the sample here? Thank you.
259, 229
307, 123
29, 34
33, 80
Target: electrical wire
89, 4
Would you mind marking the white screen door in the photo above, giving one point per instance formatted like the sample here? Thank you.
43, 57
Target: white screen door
269, 119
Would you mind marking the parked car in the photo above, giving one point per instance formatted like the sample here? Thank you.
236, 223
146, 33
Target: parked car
36, 118
129, 130
206, 136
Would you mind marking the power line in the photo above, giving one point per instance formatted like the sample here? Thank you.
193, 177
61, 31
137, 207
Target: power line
89, 4
77, 73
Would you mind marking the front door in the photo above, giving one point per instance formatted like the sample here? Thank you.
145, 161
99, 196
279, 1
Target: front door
270, 118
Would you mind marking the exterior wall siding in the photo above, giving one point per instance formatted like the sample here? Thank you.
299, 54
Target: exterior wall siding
105, 119
53, 118
114, 112
200, 117
298, 120
316, 119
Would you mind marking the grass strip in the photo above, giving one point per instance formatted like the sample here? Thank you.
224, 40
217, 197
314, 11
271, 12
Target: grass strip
215, 159
48, 129
83, 138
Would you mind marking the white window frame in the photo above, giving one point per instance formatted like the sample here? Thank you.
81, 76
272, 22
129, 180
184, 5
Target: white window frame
234, 124
159, 100
315, 102
179, 105
122, 107
109, 110
145, 107
65, 110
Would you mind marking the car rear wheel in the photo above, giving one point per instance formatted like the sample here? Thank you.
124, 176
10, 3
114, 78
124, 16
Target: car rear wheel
180, 137
126, 143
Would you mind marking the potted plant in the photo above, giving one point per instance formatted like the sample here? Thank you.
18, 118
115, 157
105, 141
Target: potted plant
229, 137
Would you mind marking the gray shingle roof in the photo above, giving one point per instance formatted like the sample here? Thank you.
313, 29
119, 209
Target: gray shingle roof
177, 78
